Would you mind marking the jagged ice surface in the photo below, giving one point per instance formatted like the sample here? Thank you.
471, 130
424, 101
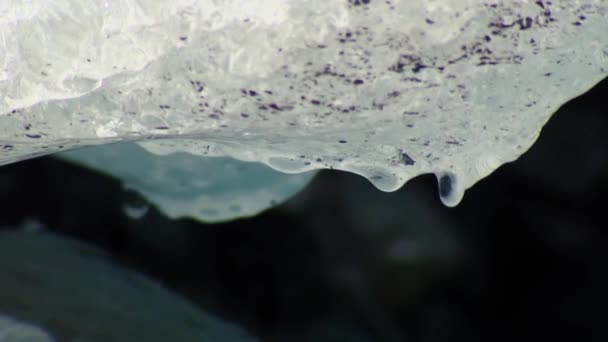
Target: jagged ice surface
385, 89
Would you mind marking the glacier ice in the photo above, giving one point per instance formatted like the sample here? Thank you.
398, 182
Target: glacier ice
386, 89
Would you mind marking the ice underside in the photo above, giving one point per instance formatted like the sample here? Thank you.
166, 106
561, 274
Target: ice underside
388, 89
212, 189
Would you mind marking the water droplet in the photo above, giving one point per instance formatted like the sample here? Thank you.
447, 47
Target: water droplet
451, 189
445, 186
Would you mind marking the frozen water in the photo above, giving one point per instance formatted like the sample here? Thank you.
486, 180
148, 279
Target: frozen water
385, 89
211, 189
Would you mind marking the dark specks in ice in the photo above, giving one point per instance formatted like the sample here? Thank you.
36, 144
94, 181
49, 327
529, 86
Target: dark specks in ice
407, 160
359, 2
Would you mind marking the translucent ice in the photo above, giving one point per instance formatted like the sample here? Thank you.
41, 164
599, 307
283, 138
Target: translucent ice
211, 189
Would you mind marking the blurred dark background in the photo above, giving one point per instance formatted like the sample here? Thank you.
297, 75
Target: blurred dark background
525, 255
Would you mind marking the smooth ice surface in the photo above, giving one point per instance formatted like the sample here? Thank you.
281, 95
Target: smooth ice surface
184, 185
74, 292
385, 89
12, 330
